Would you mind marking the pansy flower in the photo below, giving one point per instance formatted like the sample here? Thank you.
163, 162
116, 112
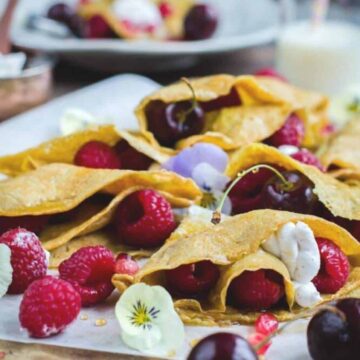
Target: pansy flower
148, 320
205, 164
6, 269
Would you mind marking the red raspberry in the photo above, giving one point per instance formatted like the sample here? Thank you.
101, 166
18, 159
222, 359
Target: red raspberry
270, 72
307, 157
256, 290
266, 324
32, 223
89, 270
255, 339
144, 219
125, 264
130, 158
165, 9
335, 268
98, 28
97, 155
291, 133
48, 306
28, 258
246, 194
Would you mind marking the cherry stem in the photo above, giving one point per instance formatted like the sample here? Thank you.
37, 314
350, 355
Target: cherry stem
304, 315
182, 116
216, 218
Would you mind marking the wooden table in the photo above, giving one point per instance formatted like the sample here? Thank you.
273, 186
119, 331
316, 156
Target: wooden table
68, 78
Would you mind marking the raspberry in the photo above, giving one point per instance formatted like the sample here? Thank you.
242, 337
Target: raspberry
125, 264
89, 270
98, 28
334, 270
291, 133
266, 324
307, 157
256, 290
130, 158
32, 223
270, 72
165, 9
246, 194
144, 219
28, 258
97, 155
48, 306
255, 339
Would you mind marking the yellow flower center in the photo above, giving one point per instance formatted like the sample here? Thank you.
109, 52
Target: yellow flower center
208, 200
141, 315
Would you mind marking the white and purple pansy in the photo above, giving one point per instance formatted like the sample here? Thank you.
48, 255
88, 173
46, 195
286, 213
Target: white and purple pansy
205, 164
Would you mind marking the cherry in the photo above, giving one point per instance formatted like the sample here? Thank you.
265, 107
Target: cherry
200, 22
297, 195
98, 28
334, 333
256, 290
131, 159
222, 346
246, 194
192, 279
172, 122
60, 12
228, 100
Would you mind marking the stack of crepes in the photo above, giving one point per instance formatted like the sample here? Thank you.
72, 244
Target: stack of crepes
240, 113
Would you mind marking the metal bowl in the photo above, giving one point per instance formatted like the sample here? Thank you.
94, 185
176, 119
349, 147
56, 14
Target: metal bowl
33, 87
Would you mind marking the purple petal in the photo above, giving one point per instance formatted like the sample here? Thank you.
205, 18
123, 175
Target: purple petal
184, 162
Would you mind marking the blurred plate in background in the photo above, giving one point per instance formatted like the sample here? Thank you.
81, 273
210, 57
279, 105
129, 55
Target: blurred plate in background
242, 24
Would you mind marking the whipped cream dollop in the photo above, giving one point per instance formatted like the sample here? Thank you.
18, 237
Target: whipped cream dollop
6, 269
140, 13
296, 247
288, 149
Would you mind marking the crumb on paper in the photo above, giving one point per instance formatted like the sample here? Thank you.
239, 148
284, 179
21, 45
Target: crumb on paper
100, 322
84, 317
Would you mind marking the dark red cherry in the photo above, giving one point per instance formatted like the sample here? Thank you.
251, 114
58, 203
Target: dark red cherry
222, 346
172, 122
256, 290
246, 194
78, 26
200, 22
29, 222
296, 195
228, 100
131, 159
334, 333
60, 12
98, 28
192, 279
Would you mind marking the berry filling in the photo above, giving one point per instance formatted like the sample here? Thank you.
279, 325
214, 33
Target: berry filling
228, 100
98, 28
32, 223
291, 133
89, 270
97, 155
270, 72
130, 158
256, 290
335, 268
144, 219
28, 258
192, 280
307, 157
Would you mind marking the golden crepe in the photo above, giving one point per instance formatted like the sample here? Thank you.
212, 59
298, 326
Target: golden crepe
265, 105
63, 149
342, 199
235, 246
62, 188
343, 150
172, 27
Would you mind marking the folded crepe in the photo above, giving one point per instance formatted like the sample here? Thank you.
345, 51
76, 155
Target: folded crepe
342, 153
262, 108
172, 27
340, 198
70, 194
63, 149
235, 246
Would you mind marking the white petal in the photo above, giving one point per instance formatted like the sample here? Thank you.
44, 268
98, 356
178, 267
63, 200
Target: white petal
6, 269
306, 295
144, 339
208, 178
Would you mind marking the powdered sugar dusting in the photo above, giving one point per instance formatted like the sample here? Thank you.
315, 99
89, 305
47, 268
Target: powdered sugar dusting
22, 238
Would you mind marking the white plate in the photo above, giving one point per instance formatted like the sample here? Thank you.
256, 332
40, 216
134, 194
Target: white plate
243, 23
